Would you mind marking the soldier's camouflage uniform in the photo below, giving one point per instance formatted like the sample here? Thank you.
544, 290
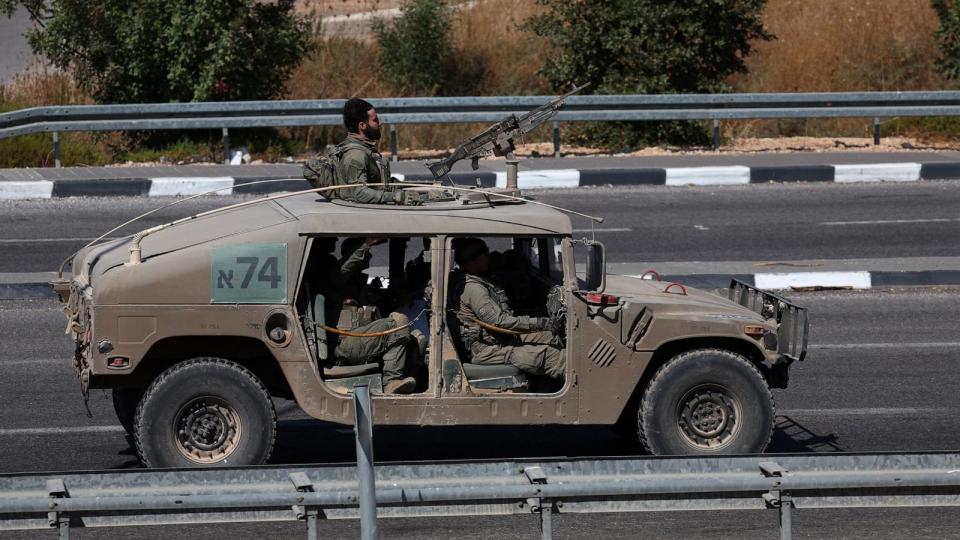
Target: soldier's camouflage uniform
354, 351
475, 298
362, 164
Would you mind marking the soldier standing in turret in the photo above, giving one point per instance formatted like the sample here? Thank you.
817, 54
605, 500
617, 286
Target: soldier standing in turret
360, 162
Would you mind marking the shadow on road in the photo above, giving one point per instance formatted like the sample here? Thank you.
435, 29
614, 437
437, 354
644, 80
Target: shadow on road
790, 436
313, 441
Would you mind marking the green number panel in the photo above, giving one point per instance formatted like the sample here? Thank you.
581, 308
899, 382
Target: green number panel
249, 274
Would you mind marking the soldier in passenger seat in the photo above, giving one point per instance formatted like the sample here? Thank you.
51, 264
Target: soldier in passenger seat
488, 329
343, 286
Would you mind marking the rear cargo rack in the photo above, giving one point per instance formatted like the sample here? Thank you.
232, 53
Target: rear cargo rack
793, 330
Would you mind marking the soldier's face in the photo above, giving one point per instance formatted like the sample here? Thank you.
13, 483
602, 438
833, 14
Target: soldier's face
371, 128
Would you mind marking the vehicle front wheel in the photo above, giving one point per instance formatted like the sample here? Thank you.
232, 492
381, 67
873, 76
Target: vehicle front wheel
205, 412
706, 401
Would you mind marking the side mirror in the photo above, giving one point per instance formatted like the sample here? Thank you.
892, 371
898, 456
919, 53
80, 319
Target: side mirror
596, 267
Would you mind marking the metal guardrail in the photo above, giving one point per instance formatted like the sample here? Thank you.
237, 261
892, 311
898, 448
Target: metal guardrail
540, 487
396, 111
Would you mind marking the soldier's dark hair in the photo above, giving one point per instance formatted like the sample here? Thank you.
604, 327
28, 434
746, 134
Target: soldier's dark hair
468, 249
355, 111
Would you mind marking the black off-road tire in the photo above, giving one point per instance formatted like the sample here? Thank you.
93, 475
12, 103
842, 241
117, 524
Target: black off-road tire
205, 412
125, 401
706, 402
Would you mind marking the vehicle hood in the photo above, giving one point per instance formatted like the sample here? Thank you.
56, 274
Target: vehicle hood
650, 292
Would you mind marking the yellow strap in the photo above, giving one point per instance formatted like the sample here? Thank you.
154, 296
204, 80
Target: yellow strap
507, 331
341, 332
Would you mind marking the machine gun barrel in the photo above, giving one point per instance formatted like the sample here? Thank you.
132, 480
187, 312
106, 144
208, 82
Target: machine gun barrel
498, 139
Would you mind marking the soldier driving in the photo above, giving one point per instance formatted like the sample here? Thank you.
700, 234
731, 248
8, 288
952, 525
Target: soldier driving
489, 331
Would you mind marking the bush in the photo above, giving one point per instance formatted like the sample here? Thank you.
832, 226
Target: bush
415, 50
948, 37
169, 50
648, 47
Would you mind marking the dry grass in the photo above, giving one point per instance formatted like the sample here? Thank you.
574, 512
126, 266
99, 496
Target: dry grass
490, 31
837, 46
34, 89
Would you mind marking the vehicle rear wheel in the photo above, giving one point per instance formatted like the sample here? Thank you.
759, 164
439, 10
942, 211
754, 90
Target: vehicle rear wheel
205, 412
706, 401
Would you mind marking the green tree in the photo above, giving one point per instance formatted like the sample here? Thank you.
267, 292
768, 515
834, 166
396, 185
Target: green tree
948, 37
416, 49
648, 47
169, 50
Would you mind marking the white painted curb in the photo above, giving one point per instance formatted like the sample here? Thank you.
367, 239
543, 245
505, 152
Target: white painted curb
174, 186
550, 178
26, 190
856, 280
708, 176
877, 172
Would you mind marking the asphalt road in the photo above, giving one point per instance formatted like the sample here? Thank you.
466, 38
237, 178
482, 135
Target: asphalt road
881, 376
643, 224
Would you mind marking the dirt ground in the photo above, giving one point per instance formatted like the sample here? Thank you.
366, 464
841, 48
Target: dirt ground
329, 8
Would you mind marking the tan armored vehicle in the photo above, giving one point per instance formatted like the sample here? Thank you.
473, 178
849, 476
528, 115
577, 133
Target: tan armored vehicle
197, 325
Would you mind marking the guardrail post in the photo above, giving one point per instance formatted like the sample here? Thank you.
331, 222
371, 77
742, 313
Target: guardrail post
786, 517
363, 429
778, 499
226, 146
716, 134
393, 143
556, 139
876, 131
56, 149
546, 521
55, 518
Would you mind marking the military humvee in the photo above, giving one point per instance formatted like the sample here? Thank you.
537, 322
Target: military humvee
196, 326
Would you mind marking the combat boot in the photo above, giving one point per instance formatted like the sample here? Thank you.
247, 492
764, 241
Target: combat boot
400, 386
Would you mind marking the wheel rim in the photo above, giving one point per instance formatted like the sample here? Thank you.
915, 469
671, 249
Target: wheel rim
207, 430
708, 417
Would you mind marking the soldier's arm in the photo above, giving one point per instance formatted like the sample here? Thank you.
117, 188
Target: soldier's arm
487, 310
354, 169
353, 262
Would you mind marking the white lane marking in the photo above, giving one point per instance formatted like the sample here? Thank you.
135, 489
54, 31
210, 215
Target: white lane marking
42, 189
856, 280
61, 430
890, 221
610, 229
173, 186
879, 411
37, 361
906, 345
708, 176
548, 178
877, 172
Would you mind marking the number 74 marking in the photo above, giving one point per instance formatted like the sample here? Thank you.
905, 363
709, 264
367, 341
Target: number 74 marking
269, 271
